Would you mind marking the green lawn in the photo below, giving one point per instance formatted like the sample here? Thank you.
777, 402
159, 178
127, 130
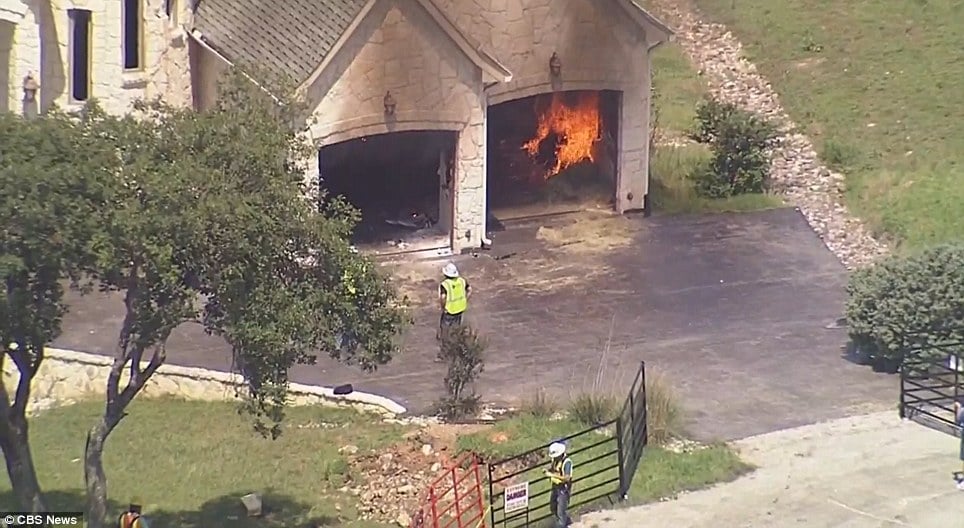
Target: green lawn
678, 91
190, 462
661, 473
877, 85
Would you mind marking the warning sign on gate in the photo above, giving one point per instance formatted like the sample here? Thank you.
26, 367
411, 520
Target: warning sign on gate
516, 497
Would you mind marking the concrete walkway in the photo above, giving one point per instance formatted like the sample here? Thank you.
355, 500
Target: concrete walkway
871, 471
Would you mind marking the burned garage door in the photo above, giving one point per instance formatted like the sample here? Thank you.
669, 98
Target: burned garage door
399, 182
551, 153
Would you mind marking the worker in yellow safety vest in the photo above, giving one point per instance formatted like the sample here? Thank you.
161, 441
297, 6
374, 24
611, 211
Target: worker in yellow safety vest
453, 298
133, 518
348, 282
560, 477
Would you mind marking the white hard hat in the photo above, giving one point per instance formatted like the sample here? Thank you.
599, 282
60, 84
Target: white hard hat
450, 271
557, 449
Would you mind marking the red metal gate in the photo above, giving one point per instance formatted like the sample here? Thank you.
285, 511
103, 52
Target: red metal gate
455, 499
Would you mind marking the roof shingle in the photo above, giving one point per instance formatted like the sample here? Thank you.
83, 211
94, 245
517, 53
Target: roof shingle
286, 37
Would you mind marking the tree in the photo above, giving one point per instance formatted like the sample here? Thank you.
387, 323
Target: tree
51, 191
210, 226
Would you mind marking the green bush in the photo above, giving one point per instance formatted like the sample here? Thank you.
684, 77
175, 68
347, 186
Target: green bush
739, 141
921, 296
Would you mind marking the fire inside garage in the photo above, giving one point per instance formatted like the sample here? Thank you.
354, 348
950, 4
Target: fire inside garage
552, 152
394, 180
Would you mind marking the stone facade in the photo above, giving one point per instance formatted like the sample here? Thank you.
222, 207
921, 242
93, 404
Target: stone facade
35, 39
600, 48
66, 377
399, 49
402, 47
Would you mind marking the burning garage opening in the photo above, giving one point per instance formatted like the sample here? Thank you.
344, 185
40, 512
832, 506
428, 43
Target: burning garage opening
396, 181
552, 152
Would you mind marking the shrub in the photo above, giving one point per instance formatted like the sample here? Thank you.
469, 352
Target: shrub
593, 409
663, 412
541, 405
922, 295
739, 141
462, 350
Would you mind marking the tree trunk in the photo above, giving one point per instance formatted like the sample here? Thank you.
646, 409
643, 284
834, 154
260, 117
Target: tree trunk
20, 468
94, 476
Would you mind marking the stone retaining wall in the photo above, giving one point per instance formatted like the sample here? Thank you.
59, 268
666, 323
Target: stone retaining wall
66, 377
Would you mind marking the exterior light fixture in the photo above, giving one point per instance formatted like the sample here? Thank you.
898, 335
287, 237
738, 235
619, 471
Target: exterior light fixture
390, 104
30, 87
555, 65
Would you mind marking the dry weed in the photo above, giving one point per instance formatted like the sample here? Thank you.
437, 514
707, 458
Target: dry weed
590, 232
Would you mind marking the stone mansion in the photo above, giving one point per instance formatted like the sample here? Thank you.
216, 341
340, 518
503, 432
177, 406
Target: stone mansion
367, 67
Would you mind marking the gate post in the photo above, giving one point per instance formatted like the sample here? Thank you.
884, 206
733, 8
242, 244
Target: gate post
491, 496
478, 490
432, 499
621, 457
902, 408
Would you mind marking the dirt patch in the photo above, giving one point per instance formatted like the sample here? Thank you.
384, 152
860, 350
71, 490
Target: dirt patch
390, 483
809, 63
416, 280
590, 232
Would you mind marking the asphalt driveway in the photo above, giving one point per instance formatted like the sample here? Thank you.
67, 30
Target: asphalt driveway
733, 308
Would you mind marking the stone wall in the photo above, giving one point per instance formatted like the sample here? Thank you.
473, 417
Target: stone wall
67, 377
41, 45
399, 48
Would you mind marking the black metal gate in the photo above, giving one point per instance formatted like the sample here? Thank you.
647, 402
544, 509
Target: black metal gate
632, 431
931, 380
612, 450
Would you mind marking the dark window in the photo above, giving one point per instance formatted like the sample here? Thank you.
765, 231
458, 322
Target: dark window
132, 34
79, 54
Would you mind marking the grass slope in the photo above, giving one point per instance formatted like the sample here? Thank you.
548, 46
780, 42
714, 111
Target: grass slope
876, 83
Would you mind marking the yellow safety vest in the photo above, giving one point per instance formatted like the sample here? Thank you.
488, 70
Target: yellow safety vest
349, 282
557, 467
455, 300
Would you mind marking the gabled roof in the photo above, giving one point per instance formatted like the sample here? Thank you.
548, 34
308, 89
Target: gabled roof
286, 37
298, 38
655, 29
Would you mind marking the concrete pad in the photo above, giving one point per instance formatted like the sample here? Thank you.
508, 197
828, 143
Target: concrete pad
869, 471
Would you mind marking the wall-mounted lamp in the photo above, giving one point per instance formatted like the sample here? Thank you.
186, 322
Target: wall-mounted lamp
555, 65
30, 87
390, 104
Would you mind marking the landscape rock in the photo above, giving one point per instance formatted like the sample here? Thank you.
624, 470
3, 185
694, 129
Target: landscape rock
796, 171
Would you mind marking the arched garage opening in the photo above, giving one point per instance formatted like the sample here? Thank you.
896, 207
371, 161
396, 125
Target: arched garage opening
552, 153
396, 181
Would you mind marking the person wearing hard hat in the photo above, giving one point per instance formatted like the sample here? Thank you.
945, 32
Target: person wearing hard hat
453, 297
133, 518
560, 476
351, 291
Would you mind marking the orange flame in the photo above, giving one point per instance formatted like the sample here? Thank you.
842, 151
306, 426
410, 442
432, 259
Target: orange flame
577, 124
